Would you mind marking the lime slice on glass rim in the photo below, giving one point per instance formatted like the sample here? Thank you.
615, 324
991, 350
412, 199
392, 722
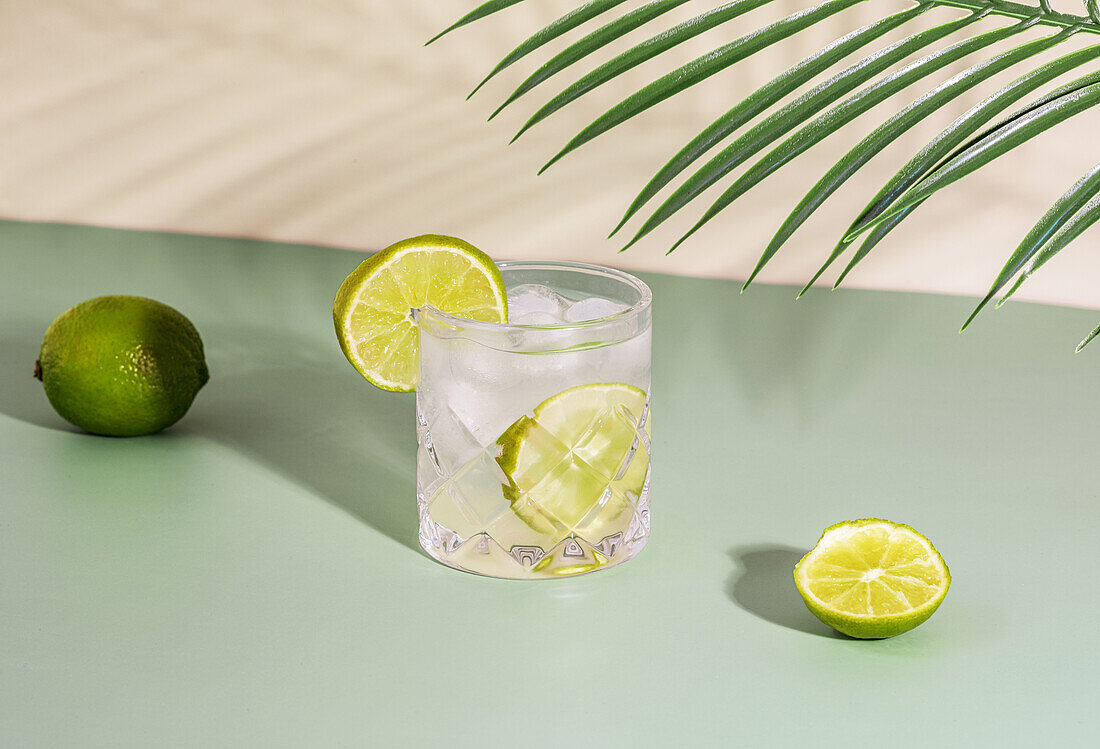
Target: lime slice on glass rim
580, 455
872, 578
372, 311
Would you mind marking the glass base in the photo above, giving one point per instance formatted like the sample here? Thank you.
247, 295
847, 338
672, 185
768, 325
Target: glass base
481, 554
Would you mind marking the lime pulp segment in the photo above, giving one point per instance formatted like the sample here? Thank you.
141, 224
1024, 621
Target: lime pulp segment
872, 578
579, 460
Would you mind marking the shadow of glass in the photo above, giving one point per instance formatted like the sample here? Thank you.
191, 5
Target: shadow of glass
283, 402
763, 585
325, 429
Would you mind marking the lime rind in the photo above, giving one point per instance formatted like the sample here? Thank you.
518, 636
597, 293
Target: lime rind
371, 310
841, 568
121, 365
576, 456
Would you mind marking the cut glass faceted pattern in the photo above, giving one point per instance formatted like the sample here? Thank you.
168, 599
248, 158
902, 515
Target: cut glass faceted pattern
579, 503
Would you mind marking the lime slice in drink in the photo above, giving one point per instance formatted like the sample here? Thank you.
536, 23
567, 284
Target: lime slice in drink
372, 311
579, 459
872, 578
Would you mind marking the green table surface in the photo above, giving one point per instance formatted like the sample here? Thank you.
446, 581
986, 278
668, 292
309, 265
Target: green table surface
251, 577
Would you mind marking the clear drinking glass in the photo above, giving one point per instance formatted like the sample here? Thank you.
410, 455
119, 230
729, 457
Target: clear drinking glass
534, 438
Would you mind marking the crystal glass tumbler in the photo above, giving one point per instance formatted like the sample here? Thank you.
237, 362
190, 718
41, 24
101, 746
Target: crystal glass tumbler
534, 436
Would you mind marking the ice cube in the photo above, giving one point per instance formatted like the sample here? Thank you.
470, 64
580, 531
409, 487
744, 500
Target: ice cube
534, 318
529, 298
593, 308
484, 390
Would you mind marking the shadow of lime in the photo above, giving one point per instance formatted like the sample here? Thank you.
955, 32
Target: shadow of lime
764, 586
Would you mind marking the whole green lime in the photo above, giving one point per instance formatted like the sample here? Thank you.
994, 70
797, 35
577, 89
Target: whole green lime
121, 365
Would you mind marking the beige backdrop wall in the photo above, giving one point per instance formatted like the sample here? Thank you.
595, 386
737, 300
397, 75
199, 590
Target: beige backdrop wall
327, 122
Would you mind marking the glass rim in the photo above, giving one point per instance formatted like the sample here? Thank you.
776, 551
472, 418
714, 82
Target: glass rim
645, 298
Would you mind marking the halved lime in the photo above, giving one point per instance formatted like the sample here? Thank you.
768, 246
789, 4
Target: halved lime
372, 311
581, 456
872, 578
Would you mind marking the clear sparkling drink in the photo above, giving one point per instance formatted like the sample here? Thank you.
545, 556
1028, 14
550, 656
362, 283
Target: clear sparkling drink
534, 437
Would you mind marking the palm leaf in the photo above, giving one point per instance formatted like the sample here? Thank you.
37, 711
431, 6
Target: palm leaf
1066, 206
1088, 339
939, 146
764, 97
847, 111
790, 116
1031, 121
702, 68
946, 142
636, 56
1069, 231
591, 43
892, 129
832, 104
1071, 215
485, 9
994, 144
563, 25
